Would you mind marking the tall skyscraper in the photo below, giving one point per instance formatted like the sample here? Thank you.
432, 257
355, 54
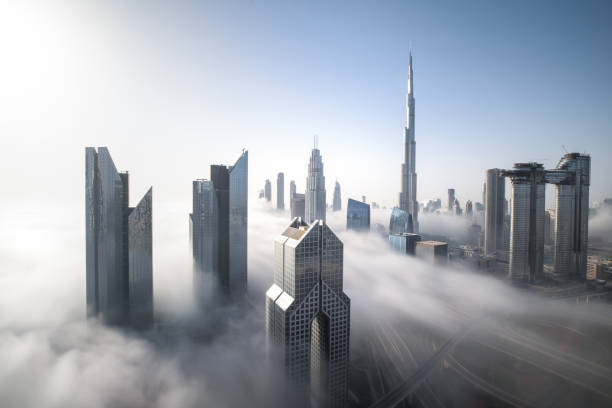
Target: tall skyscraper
451, 199
292, 192
238, 225
527, 222
119, 268
337, 203
219, 227
204, 233
357, 215
469, 210
495, 194
400, 222
298, 205
280, 191
572, 181
308, 314
408, 194
268, 190
315, 188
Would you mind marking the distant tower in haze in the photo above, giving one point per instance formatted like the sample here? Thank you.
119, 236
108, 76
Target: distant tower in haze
527, 222
280, 191
292, 191
451, 198
118, 249
219, 227
268, 190
469, 210
495, 195
337, 203
357, 215
408, 194
315, 188
308, 314
298, 205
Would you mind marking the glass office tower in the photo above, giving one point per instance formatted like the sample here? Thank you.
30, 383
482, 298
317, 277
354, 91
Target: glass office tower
400, 221
238, 225
357, 215
308, 314
118, 251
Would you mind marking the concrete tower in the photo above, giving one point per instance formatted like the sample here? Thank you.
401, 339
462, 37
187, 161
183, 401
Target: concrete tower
408, 194
315, 188
308, 314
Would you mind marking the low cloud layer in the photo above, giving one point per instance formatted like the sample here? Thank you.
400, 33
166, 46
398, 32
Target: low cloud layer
216, 357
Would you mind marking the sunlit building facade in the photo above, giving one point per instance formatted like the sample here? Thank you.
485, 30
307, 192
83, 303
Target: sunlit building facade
315, 188
308, 314
119, 269
408, 193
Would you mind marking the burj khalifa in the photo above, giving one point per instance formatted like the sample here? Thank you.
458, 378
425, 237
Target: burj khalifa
408, 194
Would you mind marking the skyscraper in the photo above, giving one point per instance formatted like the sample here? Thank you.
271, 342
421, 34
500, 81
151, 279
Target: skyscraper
469, 210
315, 188
451, 199
357, 215
298, 205
408, 194
308, 314
280, 191
268, 190
527, 223
119, 268
219, 227
400, 222
238, 225
292, 192
204, 242
337, 203
572, 180
495, 194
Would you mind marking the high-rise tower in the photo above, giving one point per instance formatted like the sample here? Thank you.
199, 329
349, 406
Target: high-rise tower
315, 188
308, 314
408, 194
337, 203
495, 194
219, 227
280, 191
119, 267
527, 225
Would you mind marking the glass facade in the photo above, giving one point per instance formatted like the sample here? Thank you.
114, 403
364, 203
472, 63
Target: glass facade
307, 312
400, 221
140, 246
404, 242
357, 215
107, 233
204, 233
238, 225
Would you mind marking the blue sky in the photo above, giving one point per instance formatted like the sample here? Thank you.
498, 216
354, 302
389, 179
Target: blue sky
171, 87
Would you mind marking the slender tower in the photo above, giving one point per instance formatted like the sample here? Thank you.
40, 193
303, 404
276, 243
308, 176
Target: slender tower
408, 195
315, 187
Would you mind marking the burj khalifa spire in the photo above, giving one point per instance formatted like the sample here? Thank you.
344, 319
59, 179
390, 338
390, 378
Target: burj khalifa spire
408, 194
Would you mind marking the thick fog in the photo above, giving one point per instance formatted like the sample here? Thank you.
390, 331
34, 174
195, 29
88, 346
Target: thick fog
52, 357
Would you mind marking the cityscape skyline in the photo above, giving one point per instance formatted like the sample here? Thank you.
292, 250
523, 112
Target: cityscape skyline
355, 107
486, 281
